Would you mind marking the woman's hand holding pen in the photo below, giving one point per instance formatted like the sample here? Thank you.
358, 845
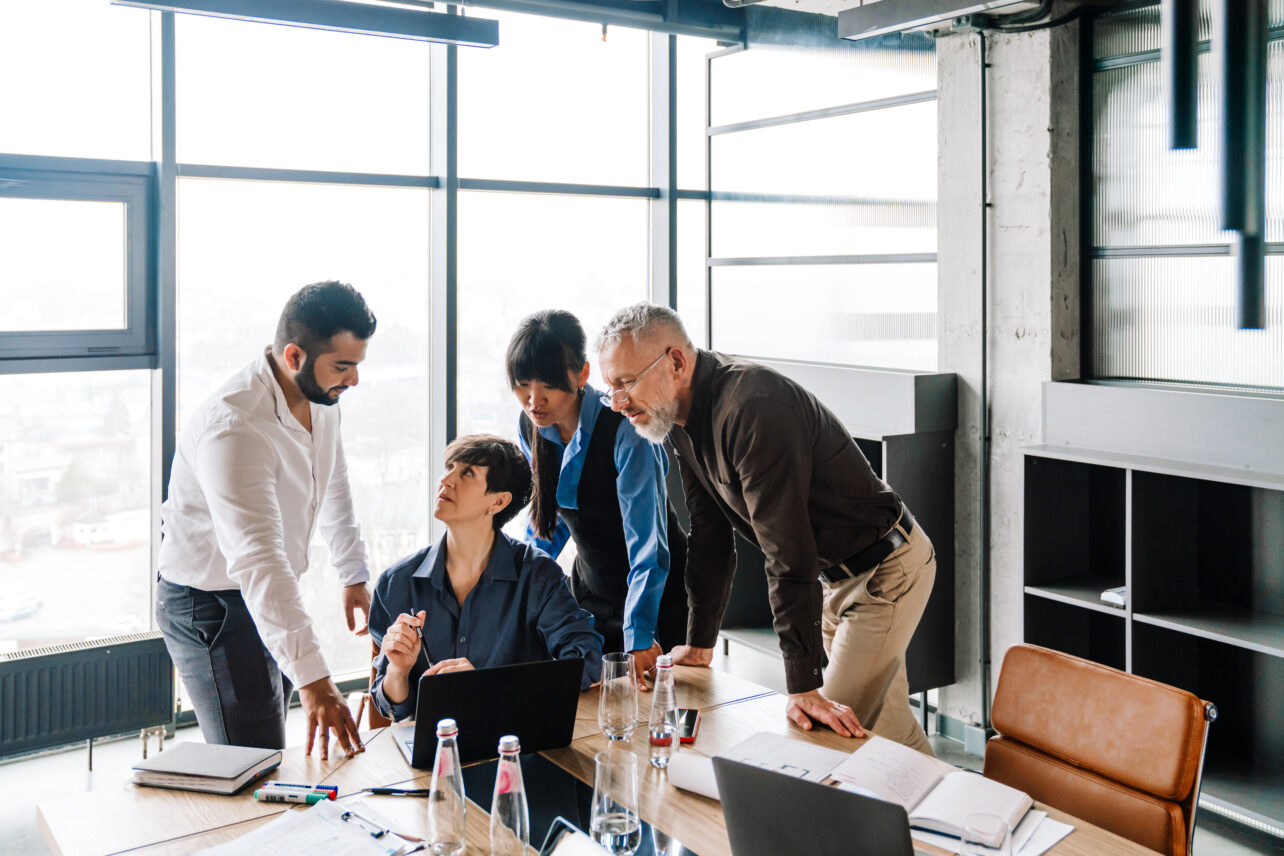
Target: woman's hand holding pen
401, 645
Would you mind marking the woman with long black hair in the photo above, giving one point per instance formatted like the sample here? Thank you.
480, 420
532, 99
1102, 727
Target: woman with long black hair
599, 483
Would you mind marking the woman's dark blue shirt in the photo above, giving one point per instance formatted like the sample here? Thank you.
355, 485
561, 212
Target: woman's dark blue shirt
520, 611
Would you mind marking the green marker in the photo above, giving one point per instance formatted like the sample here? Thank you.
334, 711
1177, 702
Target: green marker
284, 795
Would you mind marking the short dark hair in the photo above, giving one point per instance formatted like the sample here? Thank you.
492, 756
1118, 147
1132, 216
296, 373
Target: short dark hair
506, 469
316, 312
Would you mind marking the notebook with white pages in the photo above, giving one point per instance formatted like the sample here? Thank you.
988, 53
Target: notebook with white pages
936, 796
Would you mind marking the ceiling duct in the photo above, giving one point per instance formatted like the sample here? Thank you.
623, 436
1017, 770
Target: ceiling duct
894, 16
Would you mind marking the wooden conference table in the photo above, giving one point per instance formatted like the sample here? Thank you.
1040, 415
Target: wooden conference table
154, 822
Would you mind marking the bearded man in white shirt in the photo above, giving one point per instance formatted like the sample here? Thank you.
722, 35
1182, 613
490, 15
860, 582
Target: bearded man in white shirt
259, 465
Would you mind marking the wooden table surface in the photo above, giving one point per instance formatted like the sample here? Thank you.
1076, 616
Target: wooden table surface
154, 822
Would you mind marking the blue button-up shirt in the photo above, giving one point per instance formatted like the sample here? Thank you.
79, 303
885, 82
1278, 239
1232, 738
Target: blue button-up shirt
643, 497
520, 611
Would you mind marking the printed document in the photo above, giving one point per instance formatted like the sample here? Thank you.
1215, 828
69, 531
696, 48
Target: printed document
936, 796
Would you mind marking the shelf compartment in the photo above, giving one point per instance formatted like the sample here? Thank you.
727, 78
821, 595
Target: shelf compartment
1244, 765
1247, 791
1201, 547
1071, 629
1075, 520
1082, 591
1257, 631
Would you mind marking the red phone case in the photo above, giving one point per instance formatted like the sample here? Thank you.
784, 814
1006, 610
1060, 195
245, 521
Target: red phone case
690, 738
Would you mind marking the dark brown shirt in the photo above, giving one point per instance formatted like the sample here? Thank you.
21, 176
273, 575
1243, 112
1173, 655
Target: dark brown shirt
761, 454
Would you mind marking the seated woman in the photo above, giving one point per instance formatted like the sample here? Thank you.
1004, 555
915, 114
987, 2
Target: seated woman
478, 597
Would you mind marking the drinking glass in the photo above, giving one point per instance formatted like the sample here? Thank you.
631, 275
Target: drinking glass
614, 821
986, 835
664, 844
617, 709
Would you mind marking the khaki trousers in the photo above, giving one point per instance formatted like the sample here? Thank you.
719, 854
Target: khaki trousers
867, 622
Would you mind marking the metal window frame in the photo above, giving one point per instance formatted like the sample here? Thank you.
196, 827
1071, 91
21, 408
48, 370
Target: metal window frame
77, 180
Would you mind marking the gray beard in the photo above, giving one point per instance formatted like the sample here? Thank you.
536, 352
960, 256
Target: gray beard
660, 424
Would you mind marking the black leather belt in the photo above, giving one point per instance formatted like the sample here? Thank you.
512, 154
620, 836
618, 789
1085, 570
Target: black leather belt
873, 555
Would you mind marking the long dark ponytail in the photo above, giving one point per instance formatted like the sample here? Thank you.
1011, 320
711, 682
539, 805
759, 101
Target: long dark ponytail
548, 347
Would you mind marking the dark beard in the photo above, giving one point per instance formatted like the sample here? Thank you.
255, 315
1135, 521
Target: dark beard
312, 391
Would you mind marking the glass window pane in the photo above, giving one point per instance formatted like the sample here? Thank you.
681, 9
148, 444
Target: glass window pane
554, 102
693, 224
75, 80
75, 513
273, 96
1147, 194
244, 248
1173, 319
1137, 30
850, 227
777, 80
62, 265
880, 155
861, 315
693, 90
585, 255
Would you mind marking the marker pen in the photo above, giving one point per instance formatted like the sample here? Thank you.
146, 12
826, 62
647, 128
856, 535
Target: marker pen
332, 790
286, 795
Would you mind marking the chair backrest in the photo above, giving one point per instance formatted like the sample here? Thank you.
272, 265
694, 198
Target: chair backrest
1120, 751
373, 716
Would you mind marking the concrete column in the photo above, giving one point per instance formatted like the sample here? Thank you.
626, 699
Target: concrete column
1031, 289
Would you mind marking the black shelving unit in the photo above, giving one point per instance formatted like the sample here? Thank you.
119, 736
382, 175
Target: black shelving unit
1200, 549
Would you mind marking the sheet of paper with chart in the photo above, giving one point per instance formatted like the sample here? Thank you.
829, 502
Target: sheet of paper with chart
333, 828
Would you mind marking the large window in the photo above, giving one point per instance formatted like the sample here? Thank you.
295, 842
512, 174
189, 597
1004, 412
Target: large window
823, 186
284, 235
1162, 303
166, 181
588, 251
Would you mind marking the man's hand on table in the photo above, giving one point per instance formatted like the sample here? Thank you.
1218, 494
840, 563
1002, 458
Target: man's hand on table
689, 655
326, 711
803, 708
643, 663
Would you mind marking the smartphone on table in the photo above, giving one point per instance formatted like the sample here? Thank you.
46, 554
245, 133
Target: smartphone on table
688, 724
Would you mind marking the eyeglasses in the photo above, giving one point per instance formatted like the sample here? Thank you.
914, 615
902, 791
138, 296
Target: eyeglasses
621, 395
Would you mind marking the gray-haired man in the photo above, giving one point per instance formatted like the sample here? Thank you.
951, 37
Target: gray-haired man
848, 571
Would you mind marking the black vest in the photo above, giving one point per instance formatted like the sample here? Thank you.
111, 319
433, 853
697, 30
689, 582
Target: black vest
600, 575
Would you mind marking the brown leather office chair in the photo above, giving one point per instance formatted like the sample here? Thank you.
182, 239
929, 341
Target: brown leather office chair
1120, 751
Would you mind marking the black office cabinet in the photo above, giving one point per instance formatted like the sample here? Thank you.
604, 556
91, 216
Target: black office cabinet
1199, 544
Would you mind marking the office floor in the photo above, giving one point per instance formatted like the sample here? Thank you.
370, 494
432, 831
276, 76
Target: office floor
25, 783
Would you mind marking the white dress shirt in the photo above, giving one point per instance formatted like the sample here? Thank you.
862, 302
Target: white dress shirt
248, 485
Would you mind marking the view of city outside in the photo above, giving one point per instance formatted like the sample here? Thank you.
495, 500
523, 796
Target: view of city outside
75, 503
244, 248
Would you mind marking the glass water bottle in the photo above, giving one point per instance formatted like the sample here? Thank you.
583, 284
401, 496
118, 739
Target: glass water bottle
664, 713
510, 824
446, 804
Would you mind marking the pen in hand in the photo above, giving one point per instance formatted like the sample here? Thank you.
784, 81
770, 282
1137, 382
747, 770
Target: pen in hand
423, 644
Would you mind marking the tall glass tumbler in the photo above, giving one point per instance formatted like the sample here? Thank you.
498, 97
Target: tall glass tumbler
614, 822
617, 709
